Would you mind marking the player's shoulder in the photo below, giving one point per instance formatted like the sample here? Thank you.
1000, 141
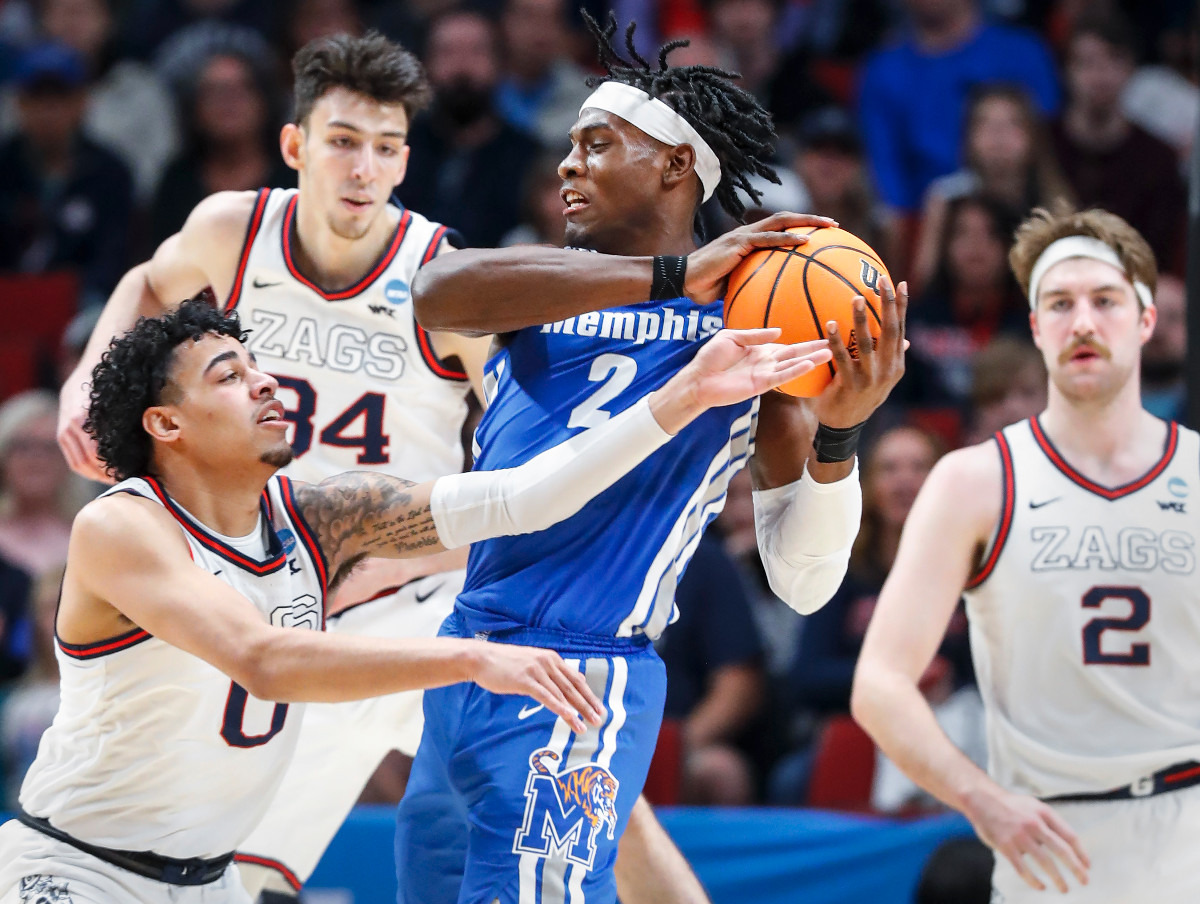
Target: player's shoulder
120, 524
967, 486
223, 215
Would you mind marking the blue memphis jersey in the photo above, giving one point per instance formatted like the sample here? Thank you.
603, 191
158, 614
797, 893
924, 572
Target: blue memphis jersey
612, 569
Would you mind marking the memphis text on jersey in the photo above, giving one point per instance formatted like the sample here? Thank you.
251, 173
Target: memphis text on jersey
639, 327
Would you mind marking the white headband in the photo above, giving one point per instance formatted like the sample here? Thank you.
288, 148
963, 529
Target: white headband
1081, 246
659, 121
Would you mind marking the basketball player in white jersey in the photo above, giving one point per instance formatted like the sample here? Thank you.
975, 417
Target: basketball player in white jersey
321, 276
194, 596
1072, 537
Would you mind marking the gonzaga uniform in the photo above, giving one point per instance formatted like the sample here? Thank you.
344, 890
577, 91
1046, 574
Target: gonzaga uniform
154, 751
364, 391
1085, 630
546, 806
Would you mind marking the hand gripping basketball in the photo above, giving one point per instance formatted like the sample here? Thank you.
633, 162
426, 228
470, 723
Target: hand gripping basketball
709, 267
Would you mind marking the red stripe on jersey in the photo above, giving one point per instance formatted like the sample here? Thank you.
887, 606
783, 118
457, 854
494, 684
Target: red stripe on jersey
432, 248
287, 874
92, 650
1106, 492
384, 262
260, 205
222, 549
307, 537
1006, 514
433, 361
1181, 775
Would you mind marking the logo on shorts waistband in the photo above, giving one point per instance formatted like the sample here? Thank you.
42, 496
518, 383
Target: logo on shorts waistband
565, 810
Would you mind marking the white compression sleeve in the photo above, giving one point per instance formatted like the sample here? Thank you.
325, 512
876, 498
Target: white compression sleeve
805, 532
548, 488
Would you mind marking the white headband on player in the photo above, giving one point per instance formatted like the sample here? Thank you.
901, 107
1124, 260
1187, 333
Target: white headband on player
1081, 246
659, 121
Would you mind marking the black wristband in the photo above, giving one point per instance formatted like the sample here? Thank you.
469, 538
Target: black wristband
670, 270
834, 444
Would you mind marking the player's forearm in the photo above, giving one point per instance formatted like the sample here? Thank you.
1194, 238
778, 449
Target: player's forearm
479, 291
650, 869
893, 711
294, 665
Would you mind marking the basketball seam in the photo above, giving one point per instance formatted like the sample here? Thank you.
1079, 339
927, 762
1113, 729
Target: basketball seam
811, 307
829, 269
746, 282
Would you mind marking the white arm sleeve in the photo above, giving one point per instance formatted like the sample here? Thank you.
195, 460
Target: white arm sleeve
549, 487
805, 532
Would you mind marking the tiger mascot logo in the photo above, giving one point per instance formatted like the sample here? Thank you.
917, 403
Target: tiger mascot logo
565, 811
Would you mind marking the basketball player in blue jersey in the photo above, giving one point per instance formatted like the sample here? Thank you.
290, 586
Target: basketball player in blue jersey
193, 600
320, 274
1073, 538
538, 812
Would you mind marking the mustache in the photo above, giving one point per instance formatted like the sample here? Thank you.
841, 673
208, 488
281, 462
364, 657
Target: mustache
1087, 342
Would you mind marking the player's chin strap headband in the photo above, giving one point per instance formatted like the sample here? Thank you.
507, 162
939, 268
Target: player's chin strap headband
659, 121
1081, 246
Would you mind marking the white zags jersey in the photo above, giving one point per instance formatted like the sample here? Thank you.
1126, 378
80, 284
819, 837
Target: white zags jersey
153, 749
362, 385
1085, 620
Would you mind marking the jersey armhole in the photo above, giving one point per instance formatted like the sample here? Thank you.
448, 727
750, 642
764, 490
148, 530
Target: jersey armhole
235, 291
1000, 537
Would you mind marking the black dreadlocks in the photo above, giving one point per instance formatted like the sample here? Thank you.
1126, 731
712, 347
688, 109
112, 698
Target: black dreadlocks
736, 127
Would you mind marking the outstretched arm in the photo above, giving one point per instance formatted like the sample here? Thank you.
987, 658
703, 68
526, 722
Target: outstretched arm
481, 291
359, 513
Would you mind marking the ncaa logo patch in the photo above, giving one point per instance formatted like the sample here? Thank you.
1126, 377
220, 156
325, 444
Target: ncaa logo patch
396, 291
565, 810
288, 539
1177, 487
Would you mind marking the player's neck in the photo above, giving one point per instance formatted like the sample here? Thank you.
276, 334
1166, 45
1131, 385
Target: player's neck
333, 261
1098, 438
659, 235
226, 504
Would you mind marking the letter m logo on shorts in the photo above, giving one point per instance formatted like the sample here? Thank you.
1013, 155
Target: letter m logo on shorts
565, 810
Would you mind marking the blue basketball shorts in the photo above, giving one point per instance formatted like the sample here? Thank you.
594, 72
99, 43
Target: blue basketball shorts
506, 803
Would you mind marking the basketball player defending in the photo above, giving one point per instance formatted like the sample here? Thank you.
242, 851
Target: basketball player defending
589, 333
322, 277
194, 597
1071, 537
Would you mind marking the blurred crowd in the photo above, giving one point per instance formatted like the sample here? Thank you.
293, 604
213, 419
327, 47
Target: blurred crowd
927, 127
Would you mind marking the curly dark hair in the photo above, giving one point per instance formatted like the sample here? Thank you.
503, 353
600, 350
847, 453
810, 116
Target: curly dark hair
133, 375
370, 65
730, 120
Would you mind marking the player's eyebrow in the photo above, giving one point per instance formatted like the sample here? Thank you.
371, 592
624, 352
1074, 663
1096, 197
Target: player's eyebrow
590, 126
350, 127
220, 359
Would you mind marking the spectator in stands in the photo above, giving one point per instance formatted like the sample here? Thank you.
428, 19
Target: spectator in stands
28, 710
308, 20
15, 585
542, 221
1164, 98
231, 121
972, 296
1110, 162
1164, 357
35, 524
914, 92
830, 163
1008, 157
713, 658
153, 25
467, 165
129, 110
65, 202
542, 88
1008, 384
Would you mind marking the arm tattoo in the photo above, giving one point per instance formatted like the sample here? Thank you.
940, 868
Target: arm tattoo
359, 514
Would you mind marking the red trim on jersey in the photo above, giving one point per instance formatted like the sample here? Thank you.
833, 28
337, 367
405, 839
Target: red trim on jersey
260, 205
1090, 485
376, 272
1006, 514
291, 878
100, 648
307, 537
221, 549
432, 247
433, 362
1181, 775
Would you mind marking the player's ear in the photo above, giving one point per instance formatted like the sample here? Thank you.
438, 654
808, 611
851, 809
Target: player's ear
403, 166
1033, 328
1147, 320
160, 423
291, 141
680, 165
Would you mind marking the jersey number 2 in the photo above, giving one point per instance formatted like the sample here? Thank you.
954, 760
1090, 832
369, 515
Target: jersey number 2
235, 714
614, 373
1138, 618
369, 406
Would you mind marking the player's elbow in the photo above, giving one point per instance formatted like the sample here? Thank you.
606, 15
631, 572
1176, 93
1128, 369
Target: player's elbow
808, 586
868, 694
259, 665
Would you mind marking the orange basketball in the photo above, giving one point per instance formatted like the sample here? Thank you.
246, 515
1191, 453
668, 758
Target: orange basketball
801, 289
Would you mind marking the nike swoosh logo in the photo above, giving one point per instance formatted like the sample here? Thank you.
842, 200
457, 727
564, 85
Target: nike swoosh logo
264, 285
1038, 505
421, 598
527, 711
